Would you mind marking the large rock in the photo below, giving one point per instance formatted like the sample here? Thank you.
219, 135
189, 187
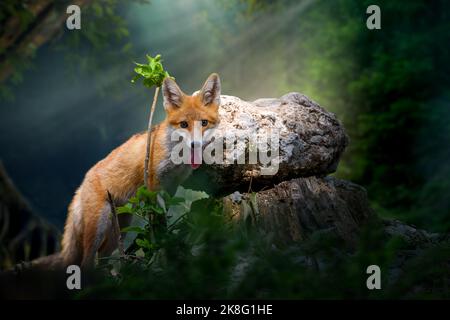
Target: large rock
311, 140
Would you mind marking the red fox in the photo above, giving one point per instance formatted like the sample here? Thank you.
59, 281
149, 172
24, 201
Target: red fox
88, 229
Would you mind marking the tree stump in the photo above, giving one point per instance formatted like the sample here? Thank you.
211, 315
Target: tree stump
294, 210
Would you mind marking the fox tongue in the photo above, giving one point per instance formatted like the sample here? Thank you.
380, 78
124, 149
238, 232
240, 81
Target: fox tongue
196, 157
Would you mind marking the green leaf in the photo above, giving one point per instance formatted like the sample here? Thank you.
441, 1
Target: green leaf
136, 77
129, 237
181, 204
144, 194
144, 243
136, 229
152, 73
133, 200
128, 208
161, 202
190, 195
175, 200
156, 209
140, 253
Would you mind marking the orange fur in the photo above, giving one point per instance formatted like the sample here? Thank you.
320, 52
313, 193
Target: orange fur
88, 228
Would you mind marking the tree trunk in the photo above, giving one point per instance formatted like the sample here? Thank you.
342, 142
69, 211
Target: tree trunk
294, 210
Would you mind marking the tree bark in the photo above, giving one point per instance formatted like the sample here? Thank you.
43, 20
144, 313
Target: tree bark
294, 210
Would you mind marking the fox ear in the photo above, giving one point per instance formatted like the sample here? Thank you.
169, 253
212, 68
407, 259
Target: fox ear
173, 96
210, 92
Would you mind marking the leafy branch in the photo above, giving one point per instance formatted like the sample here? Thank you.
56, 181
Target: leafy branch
152, 74
159, 214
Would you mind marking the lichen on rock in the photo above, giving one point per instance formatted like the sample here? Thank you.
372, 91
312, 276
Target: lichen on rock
311, 140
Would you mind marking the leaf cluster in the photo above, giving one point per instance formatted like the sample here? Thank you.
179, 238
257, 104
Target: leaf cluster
152, 73
150, 209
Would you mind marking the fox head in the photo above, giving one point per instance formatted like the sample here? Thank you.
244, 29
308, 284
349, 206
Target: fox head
193, 116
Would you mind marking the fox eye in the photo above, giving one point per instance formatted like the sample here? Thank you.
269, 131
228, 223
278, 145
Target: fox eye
183, 124
204, 123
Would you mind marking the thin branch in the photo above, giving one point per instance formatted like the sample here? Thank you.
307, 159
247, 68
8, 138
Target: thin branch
173, 225
115, 222
147, 162
250, 185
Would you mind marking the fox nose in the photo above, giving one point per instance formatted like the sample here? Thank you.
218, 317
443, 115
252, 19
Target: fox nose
195, 144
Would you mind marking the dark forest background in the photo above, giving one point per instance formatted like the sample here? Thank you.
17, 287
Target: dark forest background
67, 103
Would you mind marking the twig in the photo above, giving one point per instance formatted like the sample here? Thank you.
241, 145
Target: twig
152, 228
127, 256
173, 225
116, 227
147, 162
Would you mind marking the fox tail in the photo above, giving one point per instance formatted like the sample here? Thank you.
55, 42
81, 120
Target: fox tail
72, 252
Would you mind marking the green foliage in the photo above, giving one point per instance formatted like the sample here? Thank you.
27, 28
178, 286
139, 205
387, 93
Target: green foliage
151, 209
152, 73
17, 9
208, 256
102, 46
102, 41
24, 17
